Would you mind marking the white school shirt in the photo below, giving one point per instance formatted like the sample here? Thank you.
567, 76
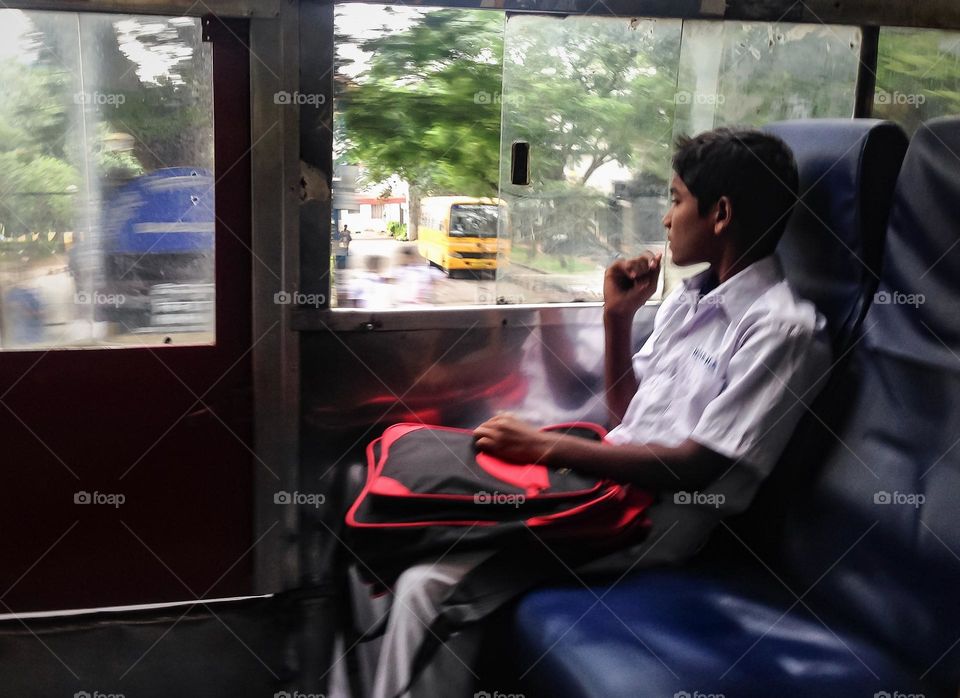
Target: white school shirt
732, 370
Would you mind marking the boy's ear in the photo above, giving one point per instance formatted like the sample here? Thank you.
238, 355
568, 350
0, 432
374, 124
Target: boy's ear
722, 214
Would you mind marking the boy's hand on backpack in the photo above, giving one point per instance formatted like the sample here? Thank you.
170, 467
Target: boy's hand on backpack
512, 439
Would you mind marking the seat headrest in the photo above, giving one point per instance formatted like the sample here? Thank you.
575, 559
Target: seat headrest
833, 244
916, 312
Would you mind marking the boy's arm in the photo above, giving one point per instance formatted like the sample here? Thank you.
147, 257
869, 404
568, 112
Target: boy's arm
627, 285
689, 466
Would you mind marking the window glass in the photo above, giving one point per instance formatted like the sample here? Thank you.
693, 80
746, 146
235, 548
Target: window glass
106, 180
594, 98
918, 76
754, 73
431, 104
416, 147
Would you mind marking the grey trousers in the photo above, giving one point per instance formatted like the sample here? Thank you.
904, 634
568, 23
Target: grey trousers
416, 597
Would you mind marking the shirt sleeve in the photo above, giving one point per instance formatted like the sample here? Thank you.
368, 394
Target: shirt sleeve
777, 371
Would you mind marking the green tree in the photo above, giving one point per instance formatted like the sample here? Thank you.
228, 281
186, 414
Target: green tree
584, 94
36, 180
422, 108
917, 76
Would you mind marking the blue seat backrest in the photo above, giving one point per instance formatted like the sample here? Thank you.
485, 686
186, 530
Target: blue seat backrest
924, 253
877, 537
831, 250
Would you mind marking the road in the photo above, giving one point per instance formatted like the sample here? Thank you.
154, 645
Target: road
371, 280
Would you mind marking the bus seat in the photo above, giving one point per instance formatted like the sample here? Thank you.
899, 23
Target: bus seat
831, 252
892, 475
832, 248
831, 624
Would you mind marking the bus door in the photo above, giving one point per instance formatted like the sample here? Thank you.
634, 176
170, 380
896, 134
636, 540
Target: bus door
125, 325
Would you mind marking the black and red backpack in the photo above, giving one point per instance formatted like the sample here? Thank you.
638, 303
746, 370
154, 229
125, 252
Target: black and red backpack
429, 490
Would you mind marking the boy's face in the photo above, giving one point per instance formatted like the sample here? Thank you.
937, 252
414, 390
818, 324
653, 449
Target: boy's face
691, 236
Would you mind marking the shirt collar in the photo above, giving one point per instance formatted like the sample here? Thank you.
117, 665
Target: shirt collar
735, 295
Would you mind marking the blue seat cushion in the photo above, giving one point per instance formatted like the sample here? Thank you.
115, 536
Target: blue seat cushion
669, 632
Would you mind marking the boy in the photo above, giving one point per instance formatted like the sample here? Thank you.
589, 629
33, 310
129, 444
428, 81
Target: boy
702, 411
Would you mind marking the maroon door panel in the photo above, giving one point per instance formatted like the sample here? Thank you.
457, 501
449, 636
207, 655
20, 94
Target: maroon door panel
161, 435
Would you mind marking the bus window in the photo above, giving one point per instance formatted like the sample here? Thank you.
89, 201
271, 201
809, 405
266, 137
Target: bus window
753, 73
425, 117
417, 128
106, 185
473, 220
917, 76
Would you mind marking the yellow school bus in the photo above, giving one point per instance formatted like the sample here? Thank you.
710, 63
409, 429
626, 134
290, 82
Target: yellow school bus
460, 233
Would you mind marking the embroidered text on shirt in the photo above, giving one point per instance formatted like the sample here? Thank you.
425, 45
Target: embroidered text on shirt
705, 358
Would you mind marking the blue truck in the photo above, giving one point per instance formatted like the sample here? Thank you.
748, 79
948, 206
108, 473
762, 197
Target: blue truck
155, 255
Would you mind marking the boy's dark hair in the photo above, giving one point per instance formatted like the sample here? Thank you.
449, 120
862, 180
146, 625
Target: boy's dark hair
755, 170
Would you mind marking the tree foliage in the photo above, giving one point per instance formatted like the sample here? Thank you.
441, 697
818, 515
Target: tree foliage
421, 108
56, 130
917, 76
